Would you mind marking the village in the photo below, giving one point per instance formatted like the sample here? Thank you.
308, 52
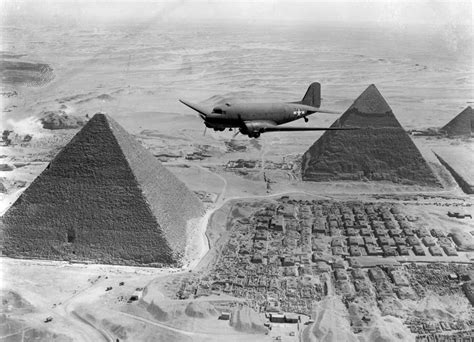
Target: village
290, 254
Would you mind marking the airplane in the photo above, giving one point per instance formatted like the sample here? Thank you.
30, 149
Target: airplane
253, 119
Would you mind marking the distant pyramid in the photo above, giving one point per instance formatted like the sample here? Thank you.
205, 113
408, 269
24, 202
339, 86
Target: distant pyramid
462, 124
381, 151
104, 198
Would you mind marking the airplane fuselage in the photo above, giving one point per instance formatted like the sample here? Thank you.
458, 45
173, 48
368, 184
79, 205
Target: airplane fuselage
232, 115
252, 119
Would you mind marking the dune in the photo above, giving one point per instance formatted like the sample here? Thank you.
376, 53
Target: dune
330, 323
117, 329
101, 97
159, 312
443, 308
244, 319
388, 329
200, 310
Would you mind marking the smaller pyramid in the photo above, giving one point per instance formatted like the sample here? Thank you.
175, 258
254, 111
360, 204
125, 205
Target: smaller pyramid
381, 150
104, 198
462, 124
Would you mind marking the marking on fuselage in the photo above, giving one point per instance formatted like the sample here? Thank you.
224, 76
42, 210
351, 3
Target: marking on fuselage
298, 112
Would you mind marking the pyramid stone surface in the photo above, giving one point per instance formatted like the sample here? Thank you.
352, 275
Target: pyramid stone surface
104, 198
462, 124
382, 150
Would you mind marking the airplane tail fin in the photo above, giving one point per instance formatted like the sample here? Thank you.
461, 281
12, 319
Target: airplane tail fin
313, 95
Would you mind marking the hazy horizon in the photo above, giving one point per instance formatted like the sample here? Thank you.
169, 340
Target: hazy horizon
391, 14
140, 61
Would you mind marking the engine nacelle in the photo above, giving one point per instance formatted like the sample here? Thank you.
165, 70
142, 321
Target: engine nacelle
254, 127
216, 127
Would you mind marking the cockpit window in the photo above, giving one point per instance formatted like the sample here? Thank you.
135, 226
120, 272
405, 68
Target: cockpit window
218, 110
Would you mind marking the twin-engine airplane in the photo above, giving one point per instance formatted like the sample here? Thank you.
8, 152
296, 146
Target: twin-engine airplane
252, 119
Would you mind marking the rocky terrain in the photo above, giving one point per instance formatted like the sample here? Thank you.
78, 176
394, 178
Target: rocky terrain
16, 72
61, 120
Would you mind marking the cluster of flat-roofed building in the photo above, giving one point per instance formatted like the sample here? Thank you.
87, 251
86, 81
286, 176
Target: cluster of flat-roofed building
284, 256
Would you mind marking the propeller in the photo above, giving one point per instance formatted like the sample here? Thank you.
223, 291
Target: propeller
205, 129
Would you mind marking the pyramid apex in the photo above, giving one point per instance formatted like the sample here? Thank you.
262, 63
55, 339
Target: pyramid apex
102, 119
369, 110
100, 115
371, 102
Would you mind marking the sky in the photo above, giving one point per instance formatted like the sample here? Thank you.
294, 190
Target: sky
394, 13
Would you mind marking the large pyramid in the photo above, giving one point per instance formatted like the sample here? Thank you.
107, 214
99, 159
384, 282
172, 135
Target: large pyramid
462, 124
382, 150
104, 198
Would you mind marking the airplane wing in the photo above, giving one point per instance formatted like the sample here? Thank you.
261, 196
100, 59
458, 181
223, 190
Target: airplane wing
292, 129
203, 112
326, 111
271, 126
